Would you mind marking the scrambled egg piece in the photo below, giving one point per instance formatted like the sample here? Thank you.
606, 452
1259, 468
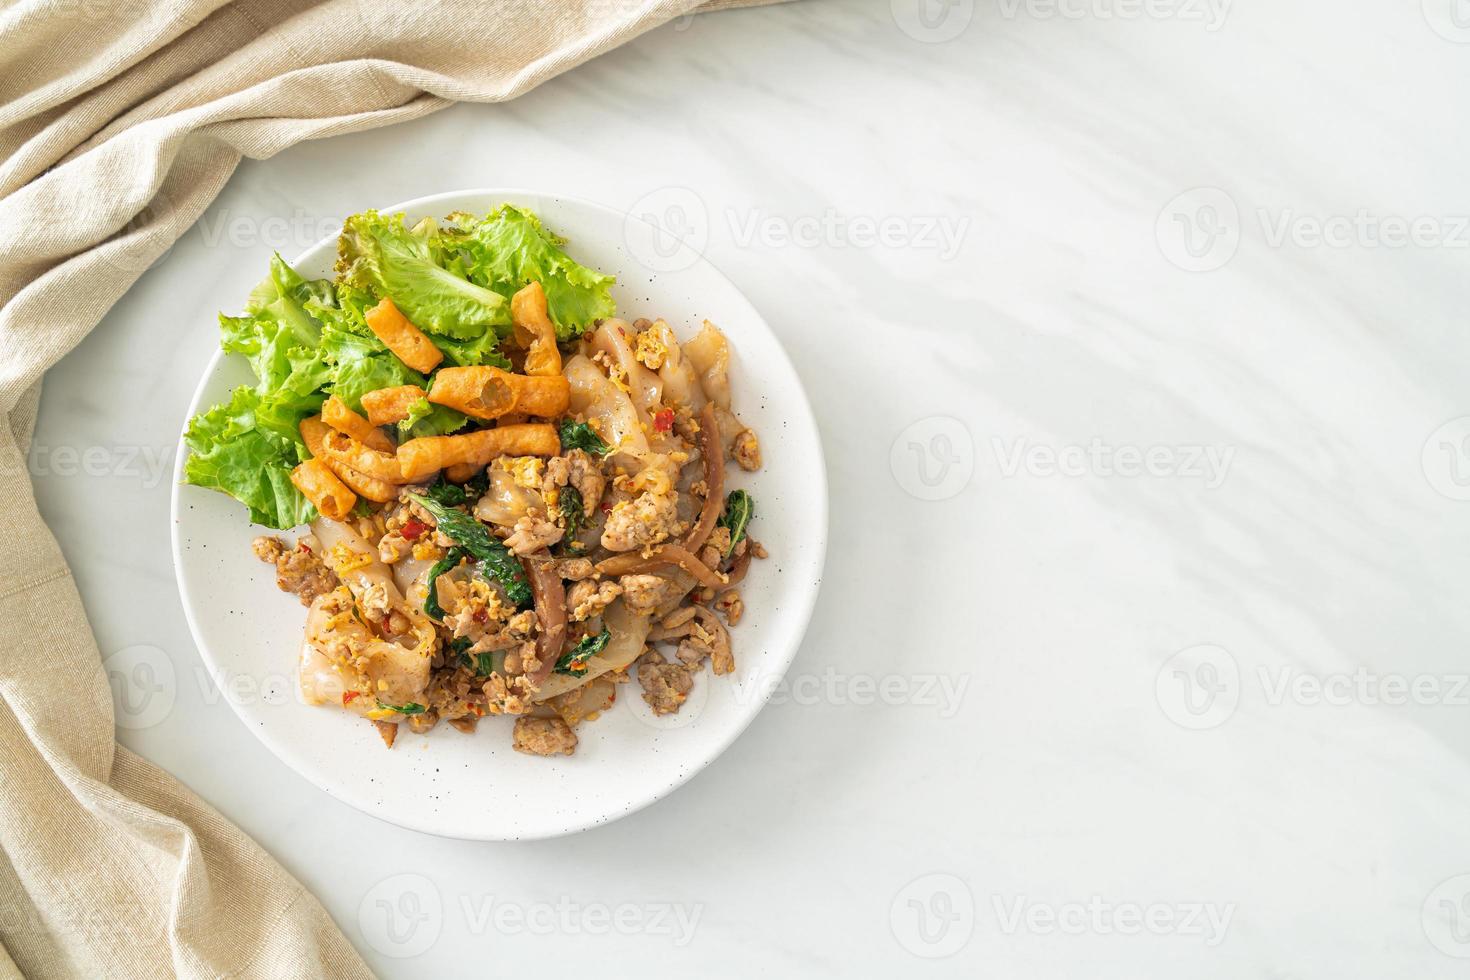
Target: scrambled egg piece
526, 471
344, 559
654, 345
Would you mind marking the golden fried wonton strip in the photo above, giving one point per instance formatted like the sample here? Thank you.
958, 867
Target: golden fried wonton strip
320, 485
336, 414
534, 331
488, 392
389, 405
401, 337
314, 433
348, 451
419, 458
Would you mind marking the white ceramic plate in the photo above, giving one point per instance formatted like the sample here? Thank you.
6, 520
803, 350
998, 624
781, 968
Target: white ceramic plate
476, 786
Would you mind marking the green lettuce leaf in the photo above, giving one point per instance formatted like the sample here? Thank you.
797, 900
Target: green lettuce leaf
229, 451
248, 446
427, 419
275, 324
510, 247
378, 254
360, 364
469, 353
297, 395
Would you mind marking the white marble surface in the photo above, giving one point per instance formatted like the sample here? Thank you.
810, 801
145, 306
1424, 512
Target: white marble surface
993, 747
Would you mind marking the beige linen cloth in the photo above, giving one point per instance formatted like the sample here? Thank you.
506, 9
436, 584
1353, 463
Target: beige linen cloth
120, 120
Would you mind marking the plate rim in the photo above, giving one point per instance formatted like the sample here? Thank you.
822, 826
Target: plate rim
807, 601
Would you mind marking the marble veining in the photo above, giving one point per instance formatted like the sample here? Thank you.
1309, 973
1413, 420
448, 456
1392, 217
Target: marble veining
1135, 335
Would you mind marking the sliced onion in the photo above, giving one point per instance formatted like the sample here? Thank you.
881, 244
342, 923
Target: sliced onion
632, 563
714, 479
551, 615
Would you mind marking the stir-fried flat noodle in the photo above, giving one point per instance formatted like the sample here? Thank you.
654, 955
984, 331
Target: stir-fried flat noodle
629, 634
643, 386
600, 402
710, 354
387, 660
505, 501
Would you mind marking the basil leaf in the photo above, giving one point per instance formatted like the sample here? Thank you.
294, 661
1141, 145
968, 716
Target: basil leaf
579, 435
574, 661
450, 561
404, 709
573, 514
494, 557
481, 663
455, 494
739, 509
